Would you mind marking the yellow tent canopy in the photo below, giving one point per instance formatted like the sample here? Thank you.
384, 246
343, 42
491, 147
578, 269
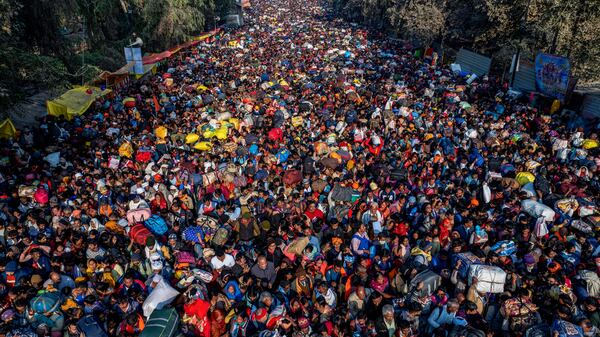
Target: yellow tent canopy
7, 129
74, 102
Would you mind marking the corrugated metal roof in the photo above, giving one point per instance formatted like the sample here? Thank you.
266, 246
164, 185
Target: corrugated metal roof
525, 77
588, 88
591, 106
473, 62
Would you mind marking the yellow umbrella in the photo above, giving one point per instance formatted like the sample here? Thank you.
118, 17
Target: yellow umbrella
208, 134
191, 138
524, 178
221, 133
125, 150
589, 144
203, 146
161, 132
235, 122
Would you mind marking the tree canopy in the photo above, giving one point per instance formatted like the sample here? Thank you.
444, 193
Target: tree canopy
493, 27
44, 42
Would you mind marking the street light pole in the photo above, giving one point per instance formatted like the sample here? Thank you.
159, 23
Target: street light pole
518, 55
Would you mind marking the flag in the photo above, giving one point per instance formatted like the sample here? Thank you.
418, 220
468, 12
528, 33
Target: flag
156, 104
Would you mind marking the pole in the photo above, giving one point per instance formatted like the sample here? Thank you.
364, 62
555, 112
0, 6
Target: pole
554, 41
515, 66
83, 53
514, 71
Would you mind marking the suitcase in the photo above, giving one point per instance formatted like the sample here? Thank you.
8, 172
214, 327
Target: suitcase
490, 279
90, 326
162, 323
138, 215
467, 259
504, 248
156, 225
139, 233
431, 280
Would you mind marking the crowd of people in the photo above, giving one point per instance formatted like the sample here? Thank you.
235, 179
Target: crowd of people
301, 176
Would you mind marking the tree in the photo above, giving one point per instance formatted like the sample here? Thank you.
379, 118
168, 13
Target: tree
169, 22
41, 24
422, 20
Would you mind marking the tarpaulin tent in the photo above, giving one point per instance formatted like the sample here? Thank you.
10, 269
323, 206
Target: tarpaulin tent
111, 80
7, 129
75, 101
157, 57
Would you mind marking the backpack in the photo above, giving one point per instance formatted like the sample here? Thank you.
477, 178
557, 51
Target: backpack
90, 326
240, 181
105, 209
398, 174
113, 162
41, 195
292, 177
230, 147
221, 236
591, 281
185, 257
466, 331
156, 225
113, 226
162, 323
504, 248
45, 303
191, 234
138, 215
139, 233
143, 156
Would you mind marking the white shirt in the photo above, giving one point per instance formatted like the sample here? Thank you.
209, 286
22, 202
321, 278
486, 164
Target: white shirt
216, 263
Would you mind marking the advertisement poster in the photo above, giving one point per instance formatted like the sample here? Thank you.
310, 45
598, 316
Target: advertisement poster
552, 75
135, 55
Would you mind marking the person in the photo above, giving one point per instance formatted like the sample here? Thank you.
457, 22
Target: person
221, 260
360, 241
357, 301
251, 172
136, 41
264, 271
475, 297
443, 318
387, 325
